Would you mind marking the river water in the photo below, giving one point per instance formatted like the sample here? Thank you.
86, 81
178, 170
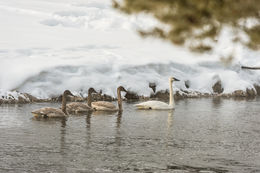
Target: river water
201, 135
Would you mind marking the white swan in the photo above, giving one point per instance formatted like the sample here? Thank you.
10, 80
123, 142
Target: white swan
158, 104
108, 106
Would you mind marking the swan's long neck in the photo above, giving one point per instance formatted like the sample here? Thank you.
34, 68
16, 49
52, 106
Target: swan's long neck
63, 104
171, 99
89, 98
119, 100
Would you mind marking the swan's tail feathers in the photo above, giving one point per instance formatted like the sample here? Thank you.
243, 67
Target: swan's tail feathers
142, 106
36, 113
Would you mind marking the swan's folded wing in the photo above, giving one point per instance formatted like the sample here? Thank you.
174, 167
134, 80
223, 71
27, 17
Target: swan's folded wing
48, 111
43, 111
142, 106
103, 104
152, 105
77, 106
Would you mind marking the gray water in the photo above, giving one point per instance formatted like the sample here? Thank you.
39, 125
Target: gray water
201, 135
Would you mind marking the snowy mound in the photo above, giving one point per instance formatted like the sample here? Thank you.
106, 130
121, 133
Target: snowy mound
10, 95
49, 46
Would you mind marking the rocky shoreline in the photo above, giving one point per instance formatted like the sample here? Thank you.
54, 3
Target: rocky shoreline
24, 98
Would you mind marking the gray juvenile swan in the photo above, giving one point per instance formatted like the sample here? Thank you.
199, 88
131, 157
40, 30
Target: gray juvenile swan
108, 106
49, 112
78, 107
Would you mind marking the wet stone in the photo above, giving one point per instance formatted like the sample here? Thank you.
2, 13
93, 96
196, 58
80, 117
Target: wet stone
152, 85
239, 93
251, 92
76, 99
187, 84
22, 100
131, 95
31, 97
178, 96
102, 97
162, 94
217, 87
56, 99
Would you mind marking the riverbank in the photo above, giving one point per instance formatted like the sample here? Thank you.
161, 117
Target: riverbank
16, 97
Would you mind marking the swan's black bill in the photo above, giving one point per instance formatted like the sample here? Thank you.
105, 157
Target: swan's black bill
123, 89
175, 79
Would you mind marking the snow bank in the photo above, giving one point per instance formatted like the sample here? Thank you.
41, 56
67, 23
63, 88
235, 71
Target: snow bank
48, 46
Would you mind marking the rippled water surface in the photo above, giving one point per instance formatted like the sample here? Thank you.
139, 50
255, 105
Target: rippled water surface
201, 135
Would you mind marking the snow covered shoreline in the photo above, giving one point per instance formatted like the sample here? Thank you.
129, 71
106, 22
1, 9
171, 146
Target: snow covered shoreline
16, 97
49, 46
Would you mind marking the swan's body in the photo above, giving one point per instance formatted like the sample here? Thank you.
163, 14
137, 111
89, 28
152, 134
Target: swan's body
154, 105
108, 106
158, 105
78, 107
49, 112
104, 106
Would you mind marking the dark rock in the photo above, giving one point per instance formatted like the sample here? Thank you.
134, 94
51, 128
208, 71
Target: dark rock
100, 97
22, 100
153, 86
76, 99
225, 95
106, 97
131, 96
250, 92
217, 87
31, 98
178, 96
187, 84
56, 99
11, 101
163, 94
185, 91
239, 93
206, 95
69, 99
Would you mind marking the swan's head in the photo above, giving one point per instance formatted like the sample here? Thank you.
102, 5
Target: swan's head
120, 88
171, 79
68, 93
91, 90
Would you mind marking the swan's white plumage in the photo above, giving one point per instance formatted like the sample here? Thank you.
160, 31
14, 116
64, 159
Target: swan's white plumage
158, 104
154, 105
